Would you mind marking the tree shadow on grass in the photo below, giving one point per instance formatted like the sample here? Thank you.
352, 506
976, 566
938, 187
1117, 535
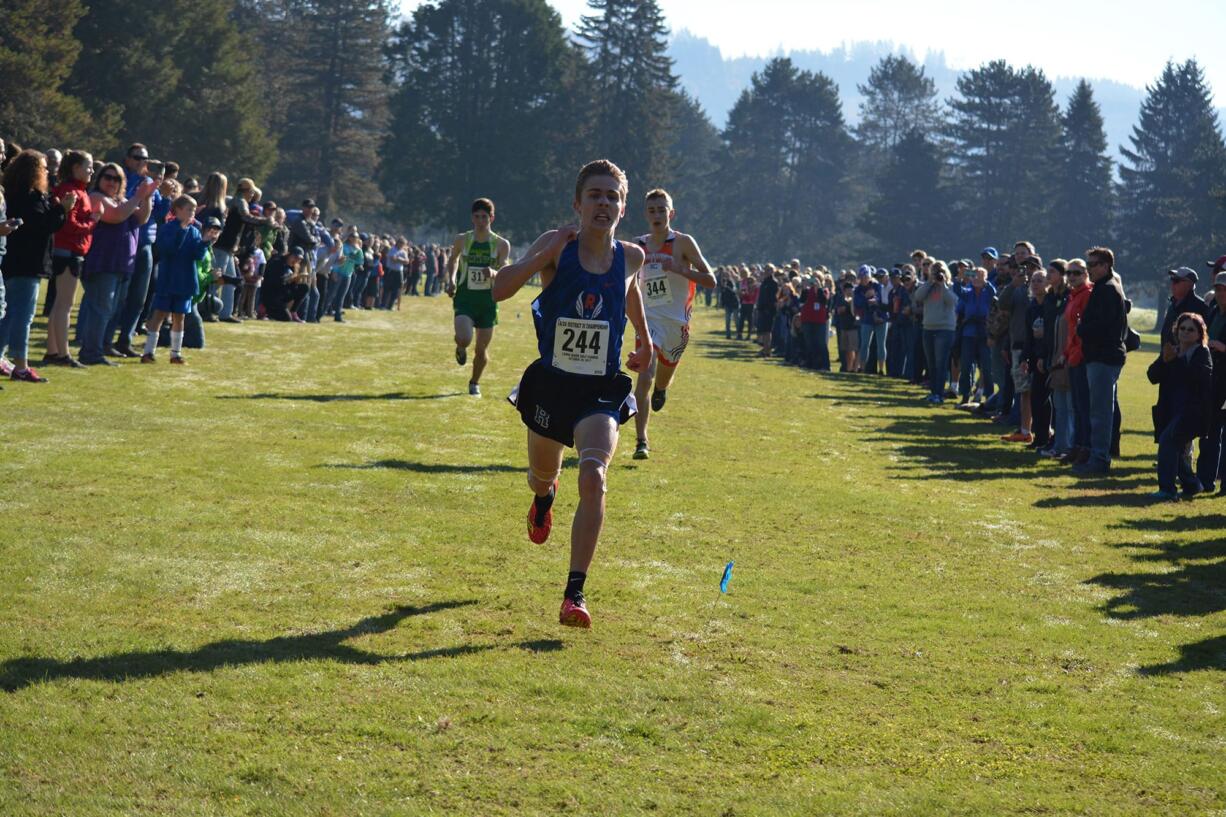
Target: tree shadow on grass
729, 349
338, 398
17, 673
1207, 654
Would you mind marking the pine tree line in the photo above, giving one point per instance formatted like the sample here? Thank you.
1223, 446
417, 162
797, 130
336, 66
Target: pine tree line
330, 98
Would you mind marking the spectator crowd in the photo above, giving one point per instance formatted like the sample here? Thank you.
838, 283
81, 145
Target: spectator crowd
160, 256
1036, 346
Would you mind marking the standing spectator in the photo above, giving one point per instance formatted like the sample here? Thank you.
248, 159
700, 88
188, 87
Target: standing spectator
1049, 345
69, 247
904, 326
1058, 379
871, 310
27, 259
847, 326
814, 314
342, 275
1102, 329
133, 290
728, 299
225, 253
397, 261
1211, 465
768, 298
181, 247
974, 304
940, 318
1183, 299
1080, 288
1036, 363
749, 300
212, 205
111, 259
1184, 376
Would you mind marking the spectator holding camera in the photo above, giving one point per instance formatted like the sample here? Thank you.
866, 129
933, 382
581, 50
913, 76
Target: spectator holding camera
1184, 376
940, 304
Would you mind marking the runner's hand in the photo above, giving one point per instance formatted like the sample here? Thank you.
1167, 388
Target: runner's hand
640, 359
561, 237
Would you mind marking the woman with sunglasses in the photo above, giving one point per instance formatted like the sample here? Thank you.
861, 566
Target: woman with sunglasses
112, 256
1184, 376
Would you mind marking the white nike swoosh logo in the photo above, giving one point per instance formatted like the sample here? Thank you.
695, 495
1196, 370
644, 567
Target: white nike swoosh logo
603, 401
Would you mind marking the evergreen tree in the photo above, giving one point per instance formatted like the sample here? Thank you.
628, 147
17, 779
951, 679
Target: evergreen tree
692, 163
1005, 148
783, 178
1084, 198
336, 101
182, 79
907, 209
488, 103
1173, 177
897, 99
632, 81
37, 52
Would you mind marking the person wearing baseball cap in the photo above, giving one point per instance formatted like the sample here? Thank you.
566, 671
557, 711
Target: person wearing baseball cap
1210, 464
1217, 266
1183, 299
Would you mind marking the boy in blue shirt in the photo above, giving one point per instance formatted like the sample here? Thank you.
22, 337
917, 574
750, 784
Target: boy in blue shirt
180, 247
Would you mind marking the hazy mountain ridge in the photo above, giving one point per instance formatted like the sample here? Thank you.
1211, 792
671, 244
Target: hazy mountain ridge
717, 81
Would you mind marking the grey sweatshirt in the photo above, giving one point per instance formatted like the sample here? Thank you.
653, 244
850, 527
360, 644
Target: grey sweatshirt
940, 304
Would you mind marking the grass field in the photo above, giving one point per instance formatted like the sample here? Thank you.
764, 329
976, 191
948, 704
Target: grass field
292, 578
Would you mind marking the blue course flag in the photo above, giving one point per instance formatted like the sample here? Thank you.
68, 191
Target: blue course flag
723, 583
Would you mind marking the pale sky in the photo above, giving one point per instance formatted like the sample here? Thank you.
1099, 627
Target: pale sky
1136, 40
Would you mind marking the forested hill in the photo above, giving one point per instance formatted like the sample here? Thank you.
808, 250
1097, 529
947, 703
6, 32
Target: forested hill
717, 81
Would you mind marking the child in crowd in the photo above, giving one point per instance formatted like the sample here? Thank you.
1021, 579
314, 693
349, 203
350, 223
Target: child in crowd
180, 247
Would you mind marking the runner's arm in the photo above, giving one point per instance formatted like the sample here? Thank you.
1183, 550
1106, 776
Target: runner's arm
640, 358
540, 256
697, 269
503, 256
453, 261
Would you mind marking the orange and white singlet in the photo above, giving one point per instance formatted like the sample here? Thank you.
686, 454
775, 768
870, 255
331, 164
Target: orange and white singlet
666, 293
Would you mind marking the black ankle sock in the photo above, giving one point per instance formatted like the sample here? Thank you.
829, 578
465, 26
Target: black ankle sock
543, 504
574, 585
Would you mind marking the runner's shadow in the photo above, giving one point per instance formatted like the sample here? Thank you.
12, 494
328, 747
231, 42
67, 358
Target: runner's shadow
17, 673
338, 398
426, 467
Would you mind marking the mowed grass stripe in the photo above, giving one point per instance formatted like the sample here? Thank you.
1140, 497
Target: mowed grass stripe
292, 578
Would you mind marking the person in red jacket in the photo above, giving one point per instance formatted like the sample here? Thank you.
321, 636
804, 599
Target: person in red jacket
68, 249
1079, 293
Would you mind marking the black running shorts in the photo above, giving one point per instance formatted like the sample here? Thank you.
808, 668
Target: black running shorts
552, 403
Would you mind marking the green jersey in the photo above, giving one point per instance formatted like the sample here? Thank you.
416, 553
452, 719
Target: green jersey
475, 267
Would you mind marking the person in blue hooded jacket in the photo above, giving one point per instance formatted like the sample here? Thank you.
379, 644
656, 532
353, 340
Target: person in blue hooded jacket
974, 304
180, 247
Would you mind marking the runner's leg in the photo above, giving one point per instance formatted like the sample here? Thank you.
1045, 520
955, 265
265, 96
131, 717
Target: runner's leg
481, 355
642, 396
544, 463
665, 375
596, 441
463, 337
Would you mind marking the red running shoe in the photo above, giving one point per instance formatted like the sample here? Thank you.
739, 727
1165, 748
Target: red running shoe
539, 533
574, 614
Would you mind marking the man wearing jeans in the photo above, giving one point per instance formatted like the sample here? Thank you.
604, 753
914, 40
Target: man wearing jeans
1102, 329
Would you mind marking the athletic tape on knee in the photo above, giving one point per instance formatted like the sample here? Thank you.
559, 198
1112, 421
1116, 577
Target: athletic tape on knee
602, 464
547, 479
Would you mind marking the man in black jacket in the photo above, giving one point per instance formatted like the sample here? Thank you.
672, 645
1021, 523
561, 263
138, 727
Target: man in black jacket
1103, 326
1183, 299
1210, 464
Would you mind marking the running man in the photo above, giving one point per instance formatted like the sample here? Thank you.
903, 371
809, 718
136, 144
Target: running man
673, 269
477, 254
575, 394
